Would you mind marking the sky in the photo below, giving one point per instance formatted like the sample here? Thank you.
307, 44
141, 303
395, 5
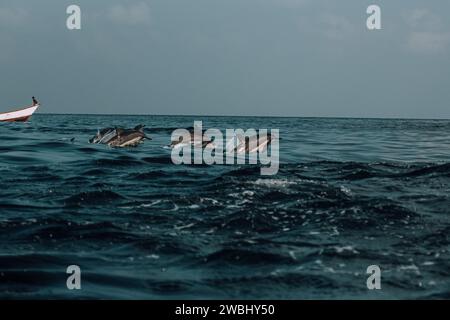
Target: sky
228, 57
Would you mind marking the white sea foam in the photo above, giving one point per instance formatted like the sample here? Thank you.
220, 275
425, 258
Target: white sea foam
274, 182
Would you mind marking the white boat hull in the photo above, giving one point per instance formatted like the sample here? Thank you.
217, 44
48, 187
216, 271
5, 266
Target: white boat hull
19, 115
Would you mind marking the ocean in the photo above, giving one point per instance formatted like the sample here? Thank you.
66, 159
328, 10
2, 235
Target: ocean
350, 193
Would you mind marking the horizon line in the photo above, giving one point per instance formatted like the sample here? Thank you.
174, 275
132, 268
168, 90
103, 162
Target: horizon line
238, 116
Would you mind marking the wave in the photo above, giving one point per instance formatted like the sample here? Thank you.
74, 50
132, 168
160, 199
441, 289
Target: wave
136, 223
93, 198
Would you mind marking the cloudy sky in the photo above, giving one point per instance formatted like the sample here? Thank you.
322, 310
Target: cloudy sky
228, 57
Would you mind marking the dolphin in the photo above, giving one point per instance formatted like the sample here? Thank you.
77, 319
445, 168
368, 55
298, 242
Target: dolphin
119, 137
243, 143
194, 139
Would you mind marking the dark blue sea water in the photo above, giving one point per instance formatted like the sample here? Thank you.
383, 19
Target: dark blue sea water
350, 193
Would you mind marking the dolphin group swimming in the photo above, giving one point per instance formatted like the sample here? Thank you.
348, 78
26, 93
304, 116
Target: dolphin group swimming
119, 137
238, 143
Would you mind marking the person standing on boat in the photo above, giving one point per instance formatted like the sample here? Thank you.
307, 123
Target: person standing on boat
35, 102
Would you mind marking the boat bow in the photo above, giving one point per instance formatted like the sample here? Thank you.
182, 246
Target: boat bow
19, 115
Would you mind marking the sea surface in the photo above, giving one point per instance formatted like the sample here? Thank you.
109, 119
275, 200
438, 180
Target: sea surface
350, 193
